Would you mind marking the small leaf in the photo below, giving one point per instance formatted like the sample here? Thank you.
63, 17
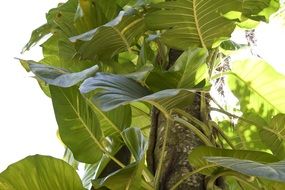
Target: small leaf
40, 173
273, 171
135, 141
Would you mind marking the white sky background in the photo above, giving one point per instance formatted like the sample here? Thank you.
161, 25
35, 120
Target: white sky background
27, 122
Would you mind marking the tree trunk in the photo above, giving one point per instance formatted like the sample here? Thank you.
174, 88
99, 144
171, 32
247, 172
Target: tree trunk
180, 142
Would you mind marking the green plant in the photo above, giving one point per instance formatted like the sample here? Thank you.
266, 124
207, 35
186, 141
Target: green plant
130, 82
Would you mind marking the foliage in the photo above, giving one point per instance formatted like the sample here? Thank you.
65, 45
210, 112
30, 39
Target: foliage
104, 68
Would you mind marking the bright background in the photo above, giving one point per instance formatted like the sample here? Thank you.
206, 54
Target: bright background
27, 123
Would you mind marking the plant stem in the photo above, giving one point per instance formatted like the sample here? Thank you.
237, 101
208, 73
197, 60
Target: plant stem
194, 130
163, 153
190, 174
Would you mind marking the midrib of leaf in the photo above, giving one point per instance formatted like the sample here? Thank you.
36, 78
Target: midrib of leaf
277, 133
197, 24
123, 38
103, 115
83, 122
251, 88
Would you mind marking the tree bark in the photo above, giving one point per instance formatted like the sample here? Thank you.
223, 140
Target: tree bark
180, 142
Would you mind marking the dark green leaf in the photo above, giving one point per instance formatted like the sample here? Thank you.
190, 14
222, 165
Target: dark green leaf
126, 178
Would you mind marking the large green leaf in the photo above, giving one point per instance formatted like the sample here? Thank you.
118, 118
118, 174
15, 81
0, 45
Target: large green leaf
40, 173
116, 36
135, 141
116, 90
201, 22
59, 77
273, 136
197, 156
258, 87
272, 171
78, 125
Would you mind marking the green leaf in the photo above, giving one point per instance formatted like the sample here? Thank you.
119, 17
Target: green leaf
91, 14
189, 70
135, 141
273, 136
196, 157
78, 125
105, 166
273, 171
116, 90
60, 77
40, 173
37, 35
194, 22
261, 91
201, 22
112, 38
126, 178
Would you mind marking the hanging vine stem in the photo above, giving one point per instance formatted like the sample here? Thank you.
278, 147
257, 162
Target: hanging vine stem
194, 129
169, 121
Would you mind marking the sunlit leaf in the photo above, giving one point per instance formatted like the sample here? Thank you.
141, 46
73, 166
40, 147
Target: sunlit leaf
40, 173
261, 91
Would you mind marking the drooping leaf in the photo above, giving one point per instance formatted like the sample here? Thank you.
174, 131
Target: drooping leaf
197, 156
273, 171
114, 37
135, 141
60, 77
261, 91
273, 136
79, 127
126, 178
40, 173
116, 90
